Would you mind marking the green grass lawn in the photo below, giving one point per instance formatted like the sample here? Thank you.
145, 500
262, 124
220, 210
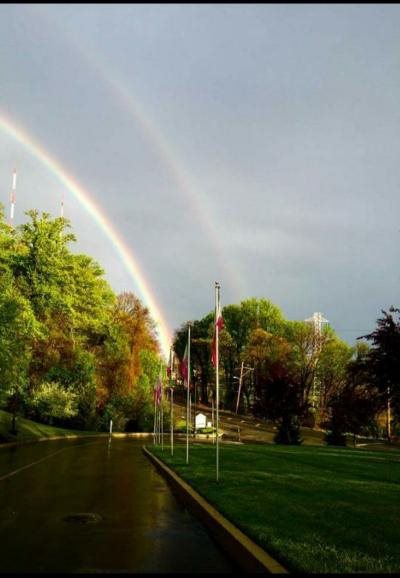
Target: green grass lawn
30, 430
315, 509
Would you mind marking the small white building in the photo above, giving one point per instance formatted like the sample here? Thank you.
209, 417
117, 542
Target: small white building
201, 420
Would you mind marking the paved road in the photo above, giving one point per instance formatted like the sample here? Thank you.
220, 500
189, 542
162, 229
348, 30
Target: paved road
136, 523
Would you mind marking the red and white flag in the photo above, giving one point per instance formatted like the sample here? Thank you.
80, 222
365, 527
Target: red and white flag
219, 323
170, 364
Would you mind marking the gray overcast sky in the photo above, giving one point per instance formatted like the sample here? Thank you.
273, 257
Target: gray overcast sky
257, 145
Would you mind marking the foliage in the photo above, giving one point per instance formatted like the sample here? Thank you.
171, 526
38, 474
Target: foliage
61, 323
134, 411
288, 431
181, 427
64, 334
52, 402
354, 406
29, 430
285, 361
383, 362
18, 329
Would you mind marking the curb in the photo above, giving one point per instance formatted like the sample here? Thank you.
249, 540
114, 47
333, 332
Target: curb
246, 553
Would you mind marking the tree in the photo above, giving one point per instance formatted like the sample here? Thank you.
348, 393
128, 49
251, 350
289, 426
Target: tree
139, 330
68, 296
354, 402
332, 370
352, 411
277, 394
384, 360
18, 329
301, 336
61, 325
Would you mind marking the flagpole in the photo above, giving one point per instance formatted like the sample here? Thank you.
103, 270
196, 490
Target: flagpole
187, 399
159, 424
155, 417
162, 420
172, 421
212, 416
171, 389
217, 288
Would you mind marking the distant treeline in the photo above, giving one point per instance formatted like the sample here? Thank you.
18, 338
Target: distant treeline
295, 376
75, 354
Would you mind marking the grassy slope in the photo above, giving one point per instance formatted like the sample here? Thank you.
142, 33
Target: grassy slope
317, 509
30, 430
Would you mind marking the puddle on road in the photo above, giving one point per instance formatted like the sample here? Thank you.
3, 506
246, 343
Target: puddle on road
83, 518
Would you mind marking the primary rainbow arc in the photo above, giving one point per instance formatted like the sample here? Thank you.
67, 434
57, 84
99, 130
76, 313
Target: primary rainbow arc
102, 221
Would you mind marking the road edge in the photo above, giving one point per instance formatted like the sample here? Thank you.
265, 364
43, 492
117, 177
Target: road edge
74, 437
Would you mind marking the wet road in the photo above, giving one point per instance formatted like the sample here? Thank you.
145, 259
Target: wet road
137, 525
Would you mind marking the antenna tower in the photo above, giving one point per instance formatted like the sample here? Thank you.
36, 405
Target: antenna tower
316, 320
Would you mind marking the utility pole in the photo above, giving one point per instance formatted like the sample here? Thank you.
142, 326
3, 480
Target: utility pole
171, 389
388, 417
216, 329
242, 375
188, 396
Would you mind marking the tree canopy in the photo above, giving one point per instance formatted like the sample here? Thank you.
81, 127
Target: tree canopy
66, 339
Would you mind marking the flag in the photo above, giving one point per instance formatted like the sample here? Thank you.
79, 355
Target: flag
219, 322
184, 366
171, 362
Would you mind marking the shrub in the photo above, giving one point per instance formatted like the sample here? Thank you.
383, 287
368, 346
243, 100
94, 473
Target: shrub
180, 426
51, 401
335, 438
288, 432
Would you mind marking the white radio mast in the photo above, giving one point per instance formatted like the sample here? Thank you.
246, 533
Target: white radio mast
62, 206
317, 320
12, 197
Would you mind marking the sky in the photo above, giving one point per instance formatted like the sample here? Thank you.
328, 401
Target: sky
252, 144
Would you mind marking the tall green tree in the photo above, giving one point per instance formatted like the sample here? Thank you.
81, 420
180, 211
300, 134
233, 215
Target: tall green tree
18, 326
383, 360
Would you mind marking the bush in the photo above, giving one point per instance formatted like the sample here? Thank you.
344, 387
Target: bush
51, 401
335, 438
180, 427
288, 432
